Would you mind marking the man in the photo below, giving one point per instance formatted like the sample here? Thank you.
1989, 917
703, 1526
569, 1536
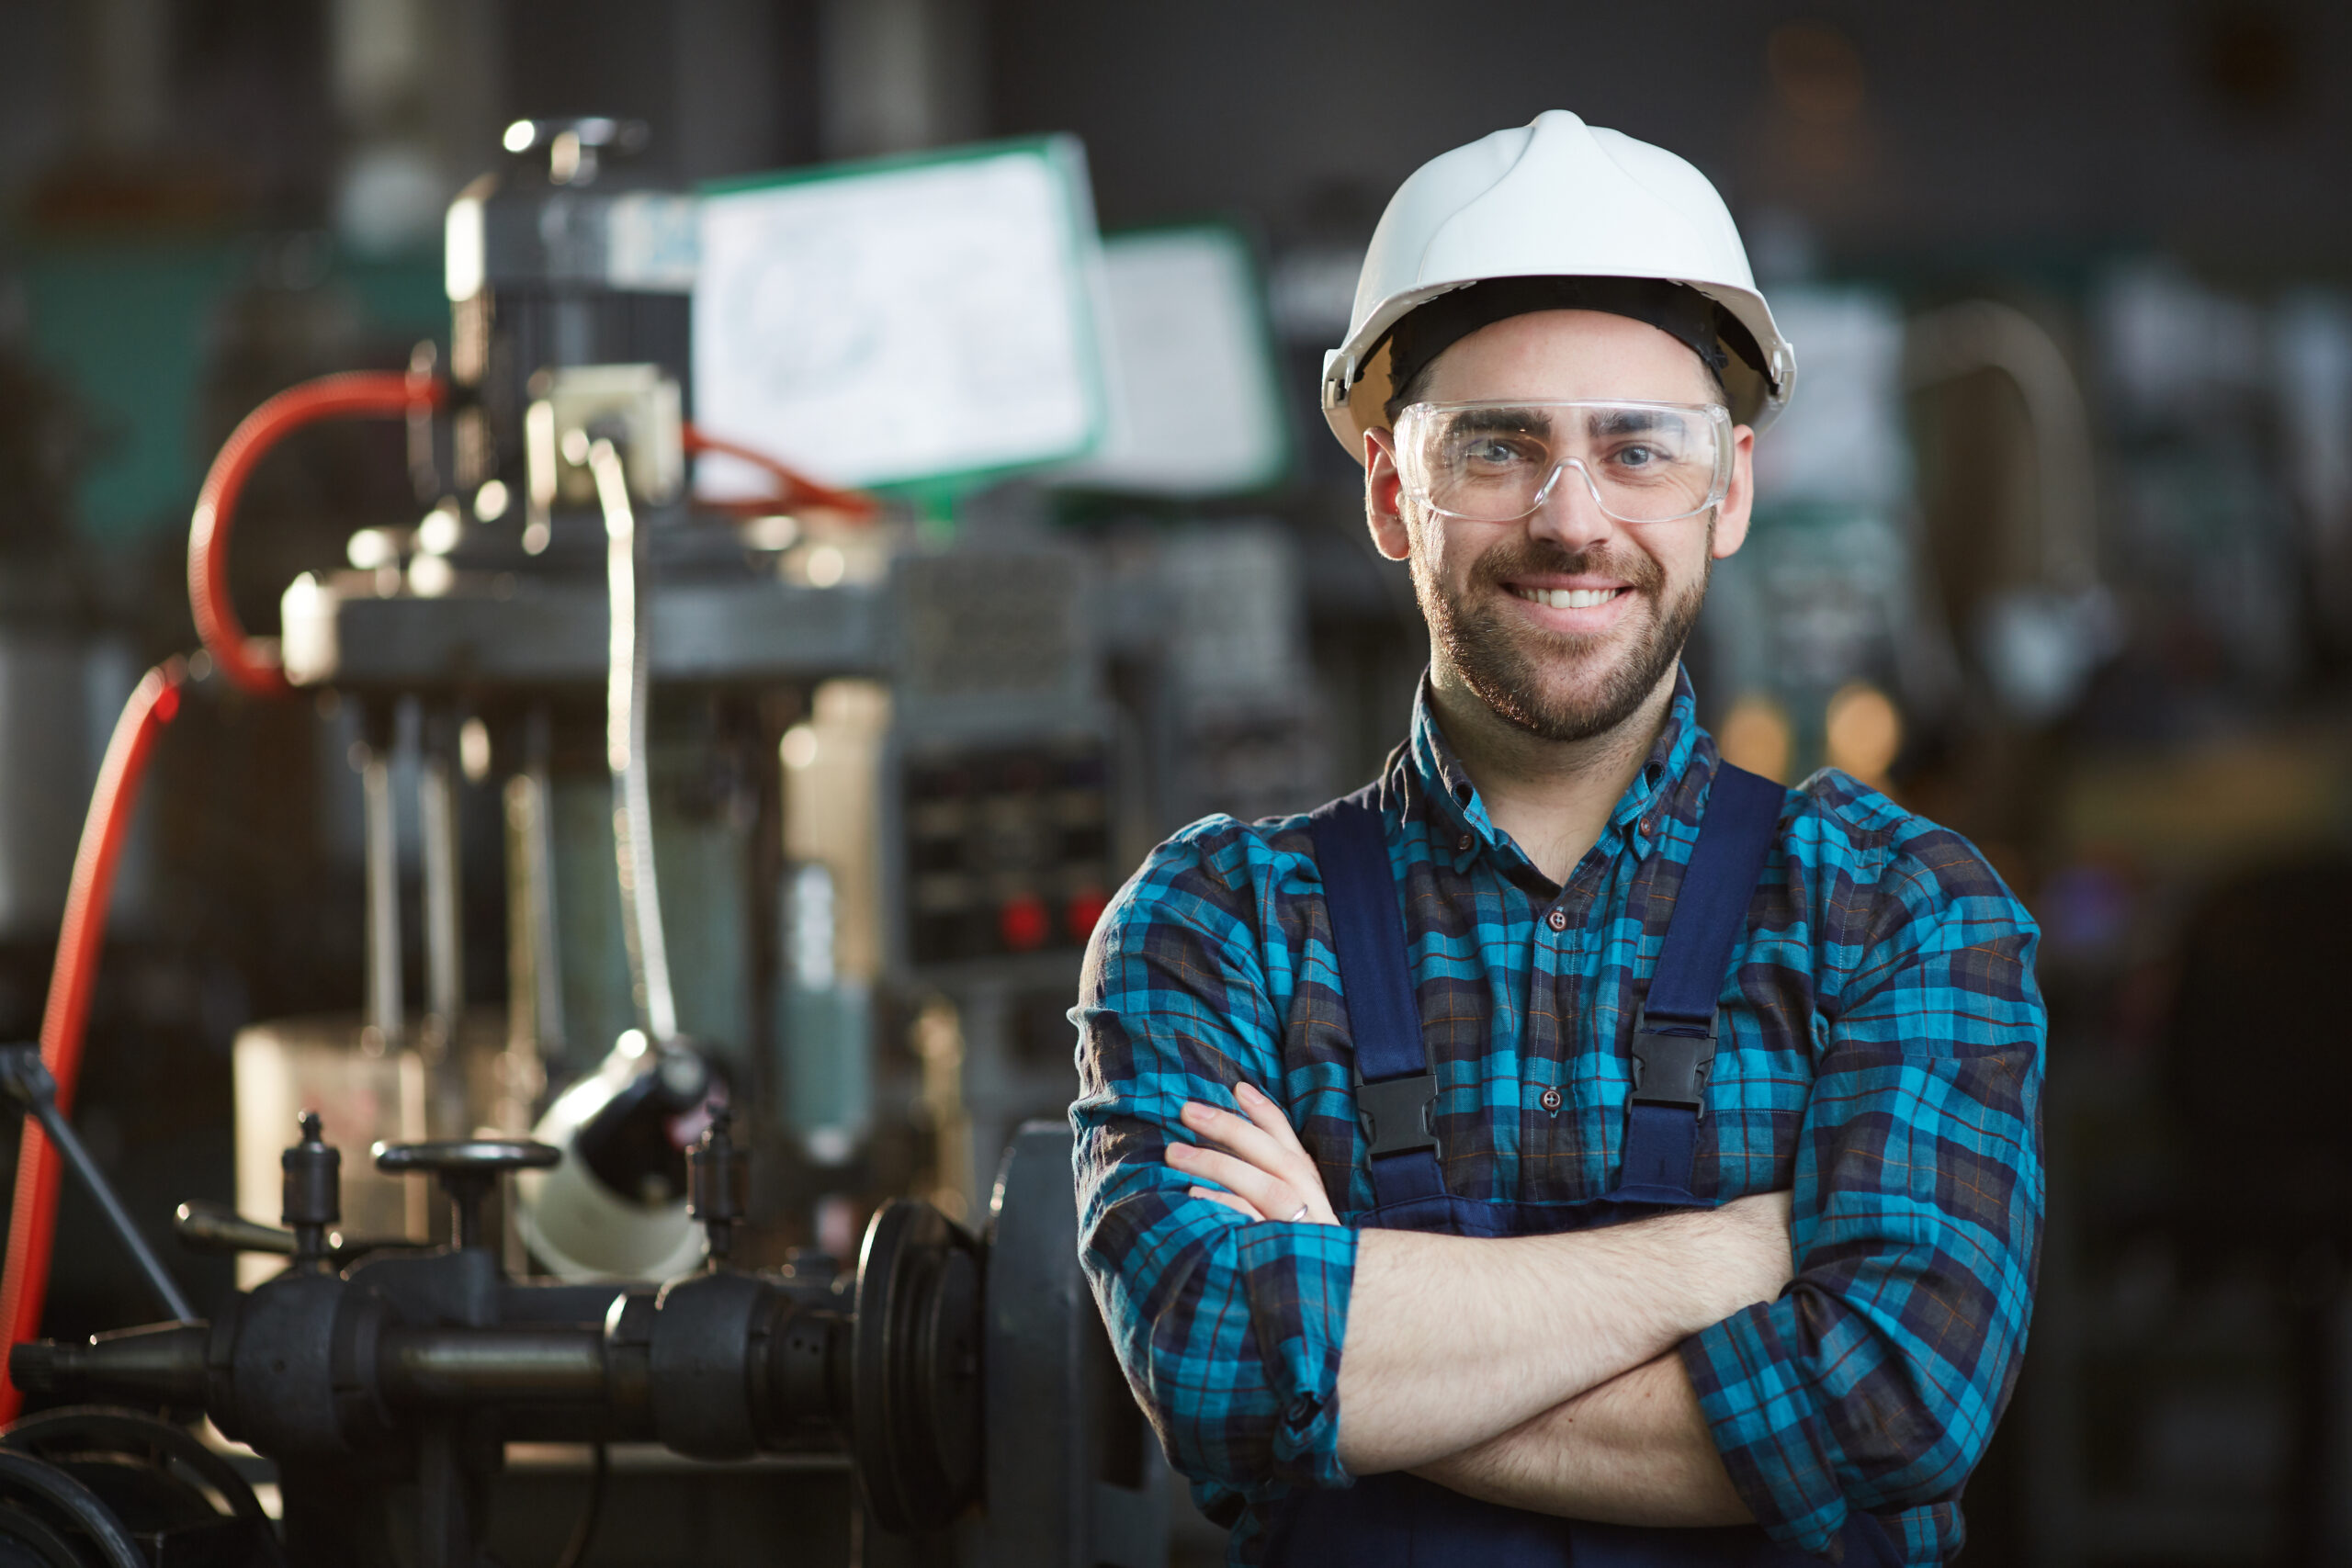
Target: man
1569, 1148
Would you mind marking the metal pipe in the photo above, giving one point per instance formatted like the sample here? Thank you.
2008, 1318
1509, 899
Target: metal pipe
483, 1366
625, 704
436, 810
384, 1009
533, 973
158, 1364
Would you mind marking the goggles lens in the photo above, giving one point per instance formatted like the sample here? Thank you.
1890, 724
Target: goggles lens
1498, 462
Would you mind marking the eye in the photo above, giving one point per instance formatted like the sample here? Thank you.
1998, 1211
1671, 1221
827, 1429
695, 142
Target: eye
1641, 456
1492, 451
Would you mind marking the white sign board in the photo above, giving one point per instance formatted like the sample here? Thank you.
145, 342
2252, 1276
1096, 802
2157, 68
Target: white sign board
902, 320
1196, 405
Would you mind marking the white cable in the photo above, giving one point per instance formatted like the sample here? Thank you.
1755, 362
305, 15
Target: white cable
1984, 334
625, 702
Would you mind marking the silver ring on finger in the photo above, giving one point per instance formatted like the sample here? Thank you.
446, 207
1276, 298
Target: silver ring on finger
1301, 1214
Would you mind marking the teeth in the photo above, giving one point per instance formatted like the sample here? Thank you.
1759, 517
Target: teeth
1568, 598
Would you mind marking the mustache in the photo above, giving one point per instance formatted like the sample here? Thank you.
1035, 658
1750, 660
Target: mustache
1533, 558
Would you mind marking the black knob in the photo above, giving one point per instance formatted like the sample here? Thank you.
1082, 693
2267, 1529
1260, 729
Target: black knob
718, 1183
467, 1168
311, 1190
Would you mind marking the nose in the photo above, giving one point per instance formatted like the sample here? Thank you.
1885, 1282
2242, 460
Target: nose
1567, 509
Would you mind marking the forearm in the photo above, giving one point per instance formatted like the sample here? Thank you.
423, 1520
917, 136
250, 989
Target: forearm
1452, 1341
1636, 1451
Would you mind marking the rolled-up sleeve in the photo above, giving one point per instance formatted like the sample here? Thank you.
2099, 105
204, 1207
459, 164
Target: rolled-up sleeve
1230, 1330
1875, 1381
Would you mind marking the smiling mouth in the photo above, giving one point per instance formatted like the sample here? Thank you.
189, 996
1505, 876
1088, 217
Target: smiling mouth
1569, 598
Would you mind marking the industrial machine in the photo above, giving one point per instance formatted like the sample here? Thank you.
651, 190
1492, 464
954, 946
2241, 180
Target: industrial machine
966, 1379
754, 765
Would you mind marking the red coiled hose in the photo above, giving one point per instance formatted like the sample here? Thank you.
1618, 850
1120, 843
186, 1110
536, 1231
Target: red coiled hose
353, 394
32, 1218
32, 1221
796, 489
254, 668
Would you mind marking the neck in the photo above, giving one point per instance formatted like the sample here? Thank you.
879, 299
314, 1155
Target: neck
1552, 797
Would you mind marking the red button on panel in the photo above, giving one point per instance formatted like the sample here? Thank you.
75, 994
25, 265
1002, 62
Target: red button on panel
1085, 909
1021, 924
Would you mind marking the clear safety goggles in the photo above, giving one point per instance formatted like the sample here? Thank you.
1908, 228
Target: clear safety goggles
1496, 462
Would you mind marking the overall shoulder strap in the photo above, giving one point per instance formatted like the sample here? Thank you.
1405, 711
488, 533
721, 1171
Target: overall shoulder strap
1394, 1089
1674, 1041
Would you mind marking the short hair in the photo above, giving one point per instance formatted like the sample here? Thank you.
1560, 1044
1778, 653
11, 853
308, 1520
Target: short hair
1691, 318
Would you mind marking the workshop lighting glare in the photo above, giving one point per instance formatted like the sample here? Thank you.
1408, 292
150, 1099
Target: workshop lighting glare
826, 567
518, 137
474, 750
490, 501
799, 746
440, 531
1754, 735
779, 532
371, 549
429, 577
1862, 732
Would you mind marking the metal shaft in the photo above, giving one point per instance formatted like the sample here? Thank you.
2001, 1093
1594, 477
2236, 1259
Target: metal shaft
445, 985
445, 1366
384, 1012
29, 1080
535, 982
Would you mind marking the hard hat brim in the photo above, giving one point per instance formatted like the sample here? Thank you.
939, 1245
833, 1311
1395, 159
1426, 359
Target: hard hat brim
1356, 382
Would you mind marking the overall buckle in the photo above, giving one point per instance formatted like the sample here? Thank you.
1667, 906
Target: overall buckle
1670, 1068
1402, 1113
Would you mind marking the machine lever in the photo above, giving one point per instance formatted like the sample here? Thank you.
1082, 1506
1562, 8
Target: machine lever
215, 1227
27, 1081
204, 1226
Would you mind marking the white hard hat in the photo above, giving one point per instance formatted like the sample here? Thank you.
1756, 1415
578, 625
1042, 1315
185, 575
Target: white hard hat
1553, 198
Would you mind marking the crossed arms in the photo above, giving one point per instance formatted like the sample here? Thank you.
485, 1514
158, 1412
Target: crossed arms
1270, 1354
1533, 1372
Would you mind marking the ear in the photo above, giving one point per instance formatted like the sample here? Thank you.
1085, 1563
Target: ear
1384, 496
1740, 500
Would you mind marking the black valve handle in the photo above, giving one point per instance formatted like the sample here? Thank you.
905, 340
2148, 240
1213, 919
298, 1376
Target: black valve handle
467, 1168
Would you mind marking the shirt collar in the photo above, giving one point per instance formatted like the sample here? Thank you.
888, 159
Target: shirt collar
1458, 812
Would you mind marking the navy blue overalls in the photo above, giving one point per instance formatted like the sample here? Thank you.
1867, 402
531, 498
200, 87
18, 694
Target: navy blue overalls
1399, 1521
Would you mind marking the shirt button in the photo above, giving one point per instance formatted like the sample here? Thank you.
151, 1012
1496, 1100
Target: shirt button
1464, 843
1557, 919
1551, 1101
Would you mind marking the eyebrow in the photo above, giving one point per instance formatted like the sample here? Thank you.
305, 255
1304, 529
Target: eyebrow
1509, 420
1631, 422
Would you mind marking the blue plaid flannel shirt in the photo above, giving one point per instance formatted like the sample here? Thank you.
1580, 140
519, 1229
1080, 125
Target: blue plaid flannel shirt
1881, 1040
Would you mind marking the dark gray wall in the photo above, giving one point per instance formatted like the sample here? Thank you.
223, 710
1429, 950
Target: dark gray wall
2220, 130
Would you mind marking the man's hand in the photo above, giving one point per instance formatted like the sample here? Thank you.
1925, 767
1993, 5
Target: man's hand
1257, 1161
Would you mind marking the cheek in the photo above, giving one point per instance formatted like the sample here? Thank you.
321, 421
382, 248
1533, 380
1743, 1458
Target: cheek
1448, 548
1683, 557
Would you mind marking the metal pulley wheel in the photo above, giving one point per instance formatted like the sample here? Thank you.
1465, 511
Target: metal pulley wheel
81, 1487
915, 1369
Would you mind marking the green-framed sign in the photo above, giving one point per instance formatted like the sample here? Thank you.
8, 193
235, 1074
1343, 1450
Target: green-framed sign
923, 320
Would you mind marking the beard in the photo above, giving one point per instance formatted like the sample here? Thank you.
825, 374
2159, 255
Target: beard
1555, 687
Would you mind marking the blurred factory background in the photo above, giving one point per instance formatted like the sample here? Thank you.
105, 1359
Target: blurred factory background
2056, 545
